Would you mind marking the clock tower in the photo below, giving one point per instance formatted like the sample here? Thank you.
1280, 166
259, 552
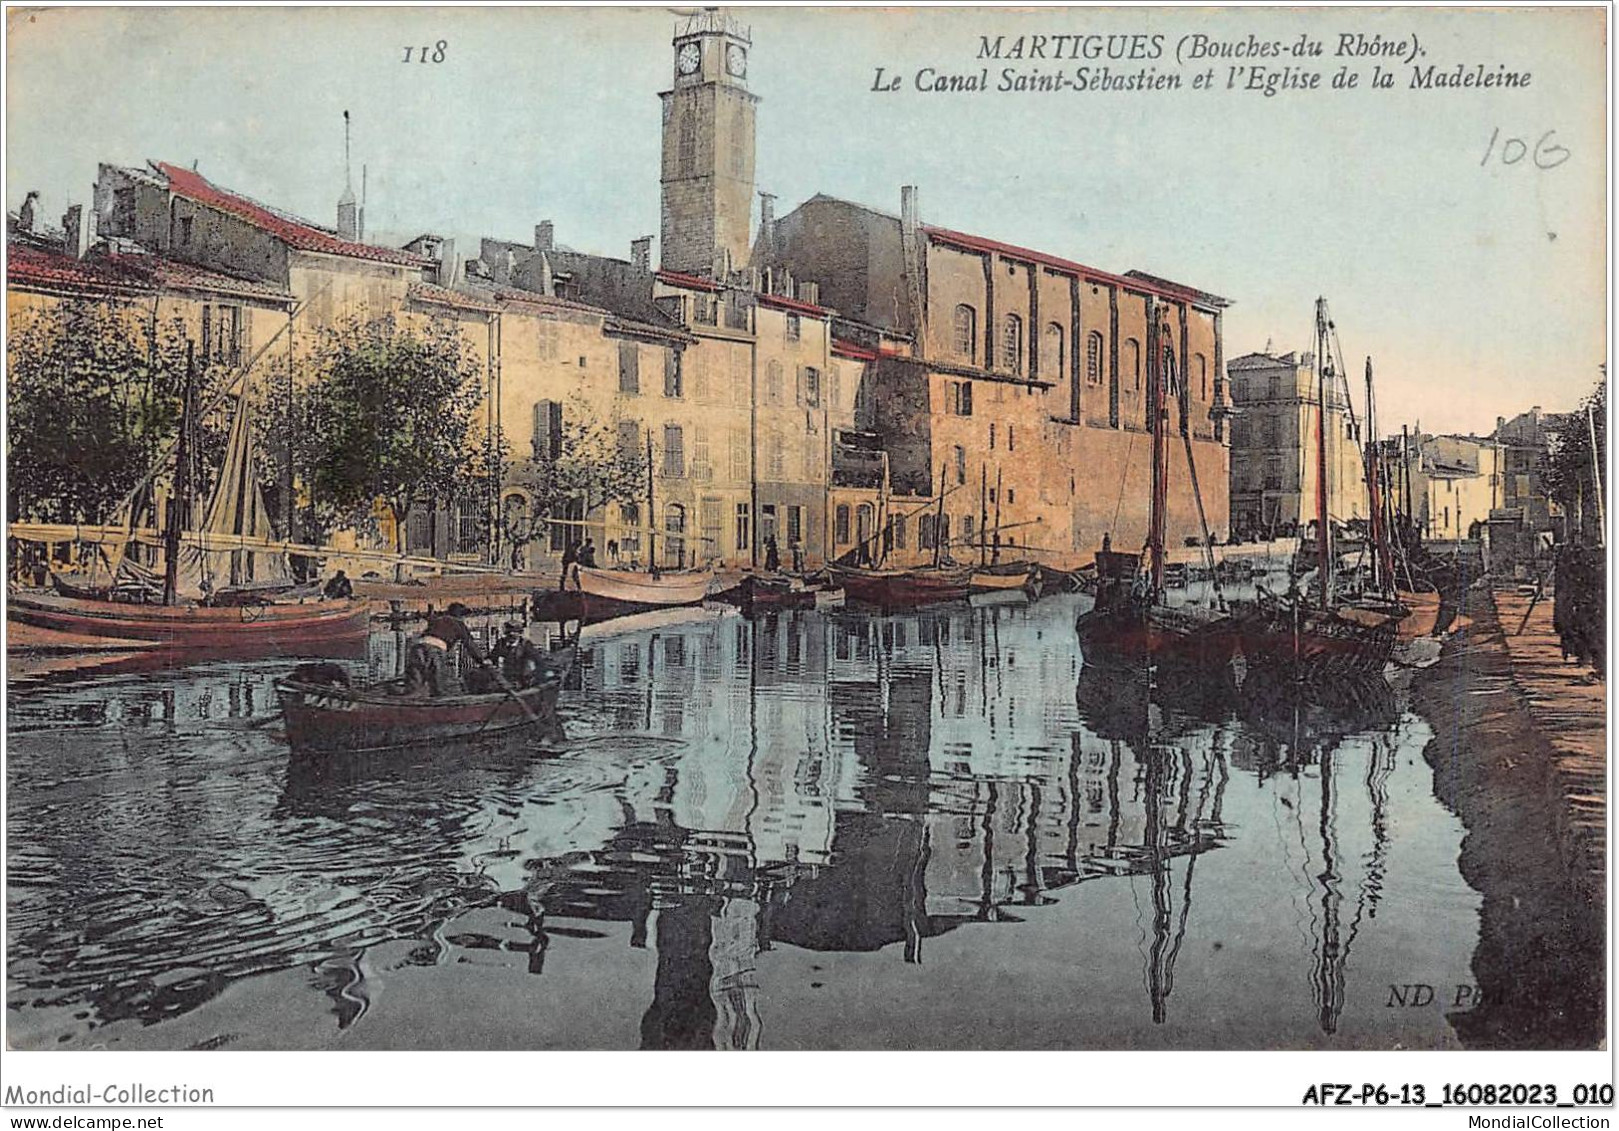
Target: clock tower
708, 137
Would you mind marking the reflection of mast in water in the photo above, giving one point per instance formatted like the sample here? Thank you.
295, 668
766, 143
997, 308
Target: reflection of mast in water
1327, 972
734, 988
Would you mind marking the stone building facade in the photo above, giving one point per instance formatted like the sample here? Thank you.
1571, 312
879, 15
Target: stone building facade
1274, 465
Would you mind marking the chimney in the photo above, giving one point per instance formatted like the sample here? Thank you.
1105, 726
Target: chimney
448, 266
77, 230
25, 215
767, 225
641, 254
908, 216
544, 236
548, 284
912, 314
348, 209
785, 281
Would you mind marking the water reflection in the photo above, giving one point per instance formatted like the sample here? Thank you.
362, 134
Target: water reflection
946, 814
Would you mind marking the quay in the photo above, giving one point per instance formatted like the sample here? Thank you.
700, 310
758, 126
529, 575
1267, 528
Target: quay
1518, 755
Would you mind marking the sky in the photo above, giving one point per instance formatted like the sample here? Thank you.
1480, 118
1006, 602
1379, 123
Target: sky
1477, 286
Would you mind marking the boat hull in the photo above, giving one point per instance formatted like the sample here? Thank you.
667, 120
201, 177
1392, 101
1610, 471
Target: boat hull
1312, 645
992, 581
329, 719
291, 629
903, 589
764, 594
1192, 639
610, 592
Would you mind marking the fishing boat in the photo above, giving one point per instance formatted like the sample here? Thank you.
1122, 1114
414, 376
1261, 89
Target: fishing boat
220, 586
1131, 624
1323, 635
326, 716
762, 592
612, 592
904, 588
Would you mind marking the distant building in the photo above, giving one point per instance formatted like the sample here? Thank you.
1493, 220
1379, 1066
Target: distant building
1274, 465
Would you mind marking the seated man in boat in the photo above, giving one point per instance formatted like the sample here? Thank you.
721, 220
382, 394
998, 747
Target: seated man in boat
427, 665
520, 661
339, 587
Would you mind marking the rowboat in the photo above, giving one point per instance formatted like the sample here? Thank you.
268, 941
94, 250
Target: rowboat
1001, 578
903, 588
760, 592
613, 592
324, 715
289, 629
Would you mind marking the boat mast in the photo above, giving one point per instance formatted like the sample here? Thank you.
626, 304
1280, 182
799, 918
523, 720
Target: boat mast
1323, 537
1155, 515
983, 513
651, 512
938, 522
180, 490
1382, 557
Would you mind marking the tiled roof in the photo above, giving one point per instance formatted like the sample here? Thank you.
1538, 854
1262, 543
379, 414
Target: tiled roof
850, 350
691, 282
293, 232
781, 302
458, 300
126, 274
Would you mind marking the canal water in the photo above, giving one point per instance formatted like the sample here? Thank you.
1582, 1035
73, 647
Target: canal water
817, 830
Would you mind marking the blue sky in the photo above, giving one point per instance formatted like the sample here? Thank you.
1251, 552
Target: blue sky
1478, 287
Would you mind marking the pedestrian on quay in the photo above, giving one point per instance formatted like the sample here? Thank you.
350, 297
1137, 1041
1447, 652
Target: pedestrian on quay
587, 554
570, 555
772, 555
426, 667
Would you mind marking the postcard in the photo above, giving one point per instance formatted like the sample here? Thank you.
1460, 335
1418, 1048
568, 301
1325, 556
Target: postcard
939, 530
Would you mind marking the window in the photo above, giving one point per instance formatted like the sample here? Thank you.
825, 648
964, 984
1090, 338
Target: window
686, 149
1011, 495
185, 231
793, 328
674, 451
1132, 363
547, 430
1011, 437
966, 528
1012, 343
992, 436
924, 532
629, 439
1093, 358
222, 335
1051, 352
629, 367
812, 387
704, 309
700, 462
840, 526
739, 454
744, 528
1200, 370
711, 513
959, 398
961, 464
835, 392
123, 212
1273, 475
795, 524
965, 328
1269, 432
546, 333
897, 525
672, 384
629, 514
773, 382
776, 463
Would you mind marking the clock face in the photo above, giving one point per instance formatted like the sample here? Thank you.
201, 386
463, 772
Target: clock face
688, 58
736, 61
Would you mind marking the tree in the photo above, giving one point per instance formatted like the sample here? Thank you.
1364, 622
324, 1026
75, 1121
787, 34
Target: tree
1570, 472
388, 417
94, 400
584, 466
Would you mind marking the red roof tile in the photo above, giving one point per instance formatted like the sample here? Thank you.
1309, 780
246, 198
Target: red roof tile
850, 350
441, 296
30, 266
292, 232
781, 302
692, 282
171, 274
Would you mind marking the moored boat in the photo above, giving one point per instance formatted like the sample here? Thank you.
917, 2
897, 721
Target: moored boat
1012, 576
903, 588
613, 592
288, 629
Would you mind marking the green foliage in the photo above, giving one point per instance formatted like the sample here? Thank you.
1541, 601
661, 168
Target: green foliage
1569, 475
388, 416
94, 402
591, 467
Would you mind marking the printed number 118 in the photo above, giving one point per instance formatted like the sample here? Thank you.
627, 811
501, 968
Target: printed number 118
434, 54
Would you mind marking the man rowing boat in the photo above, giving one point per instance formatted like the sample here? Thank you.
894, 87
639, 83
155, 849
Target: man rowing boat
425, 666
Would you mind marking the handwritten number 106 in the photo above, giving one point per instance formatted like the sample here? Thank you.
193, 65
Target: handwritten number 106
1547, 153
433, 54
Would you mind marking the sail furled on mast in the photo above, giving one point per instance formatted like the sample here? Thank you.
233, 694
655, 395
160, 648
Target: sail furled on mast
237, 510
